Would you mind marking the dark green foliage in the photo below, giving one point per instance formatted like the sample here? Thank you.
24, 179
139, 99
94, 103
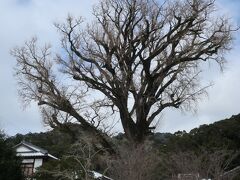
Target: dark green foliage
224, 134
9, 164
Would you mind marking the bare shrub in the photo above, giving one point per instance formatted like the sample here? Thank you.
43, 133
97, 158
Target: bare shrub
206, 164
135, 161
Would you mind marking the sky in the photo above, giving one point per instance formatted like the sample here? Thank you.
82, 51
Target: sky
22, 19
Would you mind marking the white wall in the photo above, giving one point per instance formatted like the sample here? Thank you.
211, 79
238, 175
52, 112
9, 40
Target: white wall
38, 163
22, 149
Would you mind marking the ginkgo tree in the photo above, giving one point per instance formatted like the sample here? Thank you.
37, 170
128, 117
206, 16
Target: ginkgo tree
137, 58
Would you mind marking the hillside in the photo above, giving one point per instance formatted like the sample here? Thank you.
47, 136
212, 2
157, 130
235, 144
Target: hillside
221, 134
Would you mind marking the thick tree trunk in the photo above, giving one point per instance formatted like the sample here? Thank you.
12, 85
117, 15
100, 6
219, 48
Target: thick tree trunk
135, 132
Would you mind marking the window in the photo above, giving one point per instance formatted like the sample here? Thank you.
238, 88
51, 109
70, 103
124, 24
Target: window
27, 169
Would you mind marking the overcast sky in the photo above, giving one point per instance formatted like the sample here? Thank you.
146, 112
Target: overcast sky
22, 19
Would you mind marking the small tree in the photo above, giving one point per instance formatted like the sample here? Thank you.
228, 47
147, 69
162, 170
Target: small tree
136, 59
77, 164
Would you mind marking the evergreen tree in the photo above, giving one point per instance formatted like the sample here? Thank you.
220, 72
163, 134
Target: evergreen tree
9, 162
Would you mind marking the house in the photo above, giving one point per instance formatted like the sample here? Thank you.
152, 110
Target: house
32, 157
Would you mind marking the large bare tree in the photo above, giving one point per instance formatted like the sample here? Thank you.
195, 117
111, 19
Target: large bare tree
135, 59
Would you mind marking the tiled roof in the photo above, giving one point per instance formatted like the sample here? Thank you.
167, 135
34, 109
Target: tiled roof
35, 151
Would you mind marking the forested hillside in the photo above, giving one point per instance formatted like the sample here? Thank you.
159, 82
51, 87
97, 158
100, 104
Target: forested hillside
224, 134
218, 140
